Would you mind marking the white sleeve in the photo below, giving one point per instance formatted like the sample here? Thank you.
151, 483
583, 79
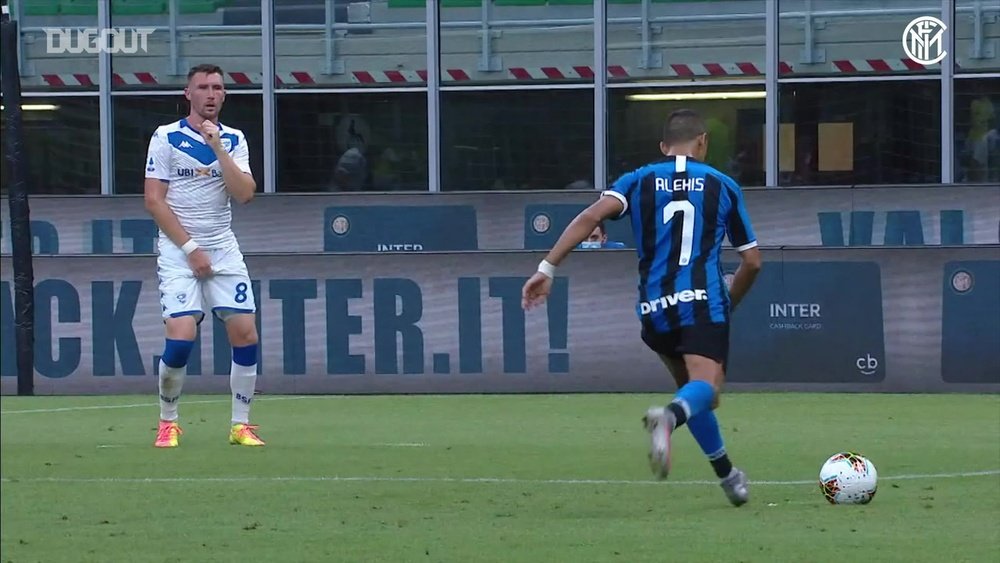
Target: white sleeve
241, 155
158, 157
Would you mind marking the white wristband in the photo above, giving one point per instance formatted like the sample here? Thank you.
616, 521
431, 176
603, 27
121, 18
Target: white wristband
189, 247
547, 268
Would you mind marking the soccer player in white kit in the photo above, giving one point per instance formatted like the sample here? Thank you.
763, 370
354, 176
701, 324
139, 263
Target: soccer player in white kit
195, 166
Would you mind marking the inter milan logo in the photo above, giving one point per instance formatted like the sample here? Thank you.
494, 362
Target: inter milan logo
962, 281
541, 223
340, 225
923, 40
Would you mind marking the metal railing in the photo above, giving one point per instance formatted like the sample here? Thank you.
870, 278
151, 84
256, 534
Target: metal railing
486, 26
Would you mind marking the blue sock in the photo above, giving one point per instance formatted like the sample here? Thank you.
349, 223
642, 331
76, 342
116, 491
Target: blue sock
245, 355
176, 352
692, 399
705, 429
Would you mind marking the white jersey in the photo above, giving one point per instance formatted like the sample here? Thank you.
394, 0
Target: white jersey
196, 193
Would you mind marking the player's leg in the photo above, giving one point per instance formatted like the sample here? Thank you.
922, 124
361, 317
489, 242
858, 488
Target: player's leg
231, 294
695, 356
704, 427
709, 347
242, 331
656, 420
180, 299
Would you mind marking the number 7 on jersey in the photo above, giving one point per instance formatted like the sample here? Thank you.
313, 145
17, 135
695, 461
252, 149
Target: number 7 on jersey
686, 209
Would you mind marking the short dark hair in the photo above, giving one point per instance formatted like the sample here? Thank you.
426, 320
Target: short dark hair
206, 68
682, 126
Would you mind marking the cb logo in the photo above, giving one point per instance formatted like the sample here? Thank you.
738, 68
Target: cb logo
867, 365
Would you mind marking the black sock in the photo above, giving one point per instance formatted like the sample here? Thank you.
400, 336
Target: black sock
722, 466
679, 415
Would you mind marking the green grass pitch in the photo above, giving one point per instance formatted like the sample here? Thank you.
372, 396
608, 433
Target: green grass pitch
493, 478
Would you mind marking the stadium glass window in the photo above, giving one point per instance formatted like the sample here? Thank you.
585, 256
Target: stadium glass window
850, 37
62, 145
977, 50
517, 140
977, 130
685, 40
386, 43
530, 41
368, 141
237, 51
855, 133
136, 117
49, 29
734, 118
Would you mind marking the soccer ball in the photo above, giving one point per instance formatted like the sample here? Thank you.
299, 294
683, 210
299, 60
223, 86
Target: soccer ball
848, 478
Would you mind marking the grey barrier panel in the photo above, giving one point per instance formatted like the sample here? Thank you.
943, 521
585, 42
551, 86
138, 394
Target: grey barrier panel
831, 217
875, 319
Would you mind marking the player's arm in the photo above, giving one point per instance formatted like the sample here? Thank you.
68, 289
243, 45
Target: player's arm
741, 235
612, 205
155, 189
580, 228
235, 168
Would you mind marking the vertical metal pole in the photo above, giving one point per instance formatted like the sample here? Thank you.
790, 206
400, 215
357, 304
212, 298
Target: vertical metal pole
328, 37
433, 96
772, 118
486, 53
175, 62
645, 36
267, 63
19, 18
600, 94
105, 107
977, 30
948, 94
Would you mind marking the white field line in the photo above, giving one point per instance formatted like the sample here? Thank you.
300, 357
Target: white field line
150, 405
463, 480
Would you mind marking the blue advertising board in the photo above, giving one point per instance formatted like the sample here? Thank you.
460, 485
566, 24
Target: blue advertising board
393, 228
970, 322
808, 320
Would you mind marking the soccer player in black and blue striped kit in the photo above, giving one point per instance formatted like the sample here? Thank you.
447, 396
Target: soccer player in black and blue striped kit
681, 211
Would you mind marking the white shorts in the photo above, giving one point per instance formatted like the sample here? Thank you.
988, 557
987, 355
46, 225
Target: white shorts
228, 291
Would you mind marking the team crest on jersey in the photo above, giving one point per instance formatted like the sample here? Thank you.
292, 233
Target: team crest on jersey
182, 297
227, 144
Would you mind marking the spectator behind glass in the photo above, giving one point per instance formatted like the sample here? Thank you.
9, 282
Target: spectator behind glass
351, 172
599, 239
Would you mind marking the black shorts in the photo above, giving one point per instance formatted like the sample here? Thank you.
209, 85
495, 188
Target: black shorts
711, 341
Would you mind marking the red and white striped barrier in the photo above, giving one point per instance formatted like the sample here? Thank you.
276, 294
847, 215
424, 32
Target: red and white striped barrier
521, 74
877, 65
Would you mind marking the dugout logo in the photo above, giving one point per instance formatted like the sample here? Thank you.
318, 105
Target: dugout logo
114, 40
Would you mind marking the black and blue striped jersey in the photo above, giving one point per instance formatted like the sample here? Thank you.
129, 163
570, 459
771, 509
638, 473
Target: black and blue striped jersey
681, 211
